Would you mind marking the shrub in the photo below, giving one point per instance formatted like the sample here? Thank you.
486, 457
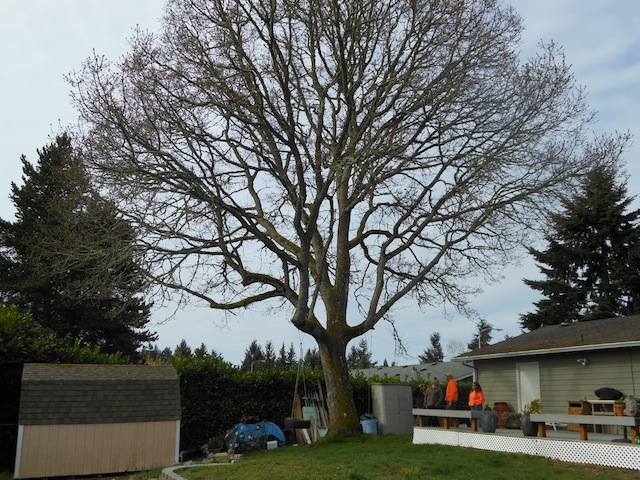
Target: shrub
534, 407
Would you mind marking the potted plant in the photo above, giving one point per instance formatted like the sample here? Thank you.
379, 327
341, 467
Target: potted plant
528, 427
511, 420
619, 406
488, 420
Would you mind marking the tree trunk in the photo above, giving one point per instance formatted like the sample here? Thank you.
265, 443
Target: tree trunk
343, 417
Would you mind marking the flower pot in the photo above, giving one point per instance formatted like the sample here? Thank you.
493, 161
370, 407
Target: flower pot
489, 421
511, 420
619, 409
529, 428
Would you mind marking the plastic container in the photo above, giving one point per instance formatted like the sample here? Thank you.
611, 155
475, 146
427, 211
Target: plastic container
488, 422
500, 408
369, 425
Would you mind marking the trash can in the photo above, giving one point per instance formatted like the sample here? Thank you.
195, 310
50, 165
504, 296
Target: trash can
500, 408
369, 424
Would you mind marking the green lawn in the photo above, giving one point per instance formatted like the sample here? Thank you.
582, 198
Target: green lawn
395, 457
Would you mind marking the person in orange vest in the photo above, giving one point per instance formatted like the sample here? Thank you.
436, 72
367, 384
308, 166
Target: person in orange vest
476, 397
451, 395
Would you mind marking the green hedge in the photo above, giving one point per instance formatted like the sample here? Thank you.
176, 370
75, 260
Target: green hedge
215, 396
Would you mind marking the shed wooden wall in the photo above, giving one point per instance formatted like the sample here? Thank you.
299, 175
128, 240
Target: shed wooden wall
562, 378
91, 449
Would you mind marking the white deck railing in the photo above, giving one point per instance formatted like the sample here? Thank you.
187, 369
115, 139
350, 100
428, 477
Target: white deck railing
608, 454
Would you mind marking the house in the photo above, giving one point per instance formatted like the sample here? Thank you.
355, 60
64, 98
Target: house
562, 365
96, 419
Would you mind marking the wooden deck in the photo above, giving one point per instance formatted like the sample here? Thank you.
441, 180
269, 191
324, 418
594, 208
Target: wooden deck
584, 421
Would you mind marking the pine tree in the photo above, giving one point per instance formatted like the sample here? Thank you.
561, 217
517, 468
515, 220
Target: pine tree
360, 356
286, 358
292, 358
281, 362
201, 351
434, 353
483, 337
68, 258
592, 261
312, 359
183, 349
252, 355
269, 354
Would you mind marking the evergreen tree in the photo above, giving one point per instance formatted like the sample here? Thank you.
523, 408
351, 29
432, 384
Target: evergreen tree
282, 358
292, 358
68, 258
269, 354
312, 359
434, 353
592, 261
286, 358
483, 337
360, 357
166, 354
183, 350
252, 355
201, 351
152, 354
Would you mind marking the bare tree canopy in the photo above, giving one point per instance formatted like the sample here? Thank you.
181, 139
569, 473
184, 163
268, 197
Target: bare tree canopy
321, 152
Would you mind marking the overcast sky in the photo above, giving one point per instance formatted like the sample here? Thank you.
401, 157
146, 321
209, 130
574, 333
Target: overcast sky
42, 40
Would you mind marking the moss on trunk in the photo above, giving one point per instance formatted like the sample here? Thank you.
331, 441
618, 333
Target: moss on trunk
343, 416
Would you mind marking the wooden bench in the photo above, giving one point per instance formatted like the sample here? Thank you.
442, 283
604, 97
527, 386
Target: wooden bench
584, 421
446, 416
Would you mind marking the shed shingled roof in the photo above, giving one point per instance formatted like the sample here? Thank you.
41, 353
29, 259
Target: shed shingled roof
82, 394
618, 332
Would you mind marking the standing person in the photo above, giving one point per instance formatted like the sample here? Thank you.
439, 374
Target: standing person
433, 398
476, 397
420, 401
423, 392
451, 396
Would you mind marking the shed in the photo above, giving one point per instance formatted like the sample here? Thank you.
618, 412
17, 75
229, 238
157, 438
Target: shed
561, 364
96, 419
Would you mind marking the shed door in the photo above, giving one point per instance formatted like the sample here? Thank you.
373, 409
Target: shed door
528, 383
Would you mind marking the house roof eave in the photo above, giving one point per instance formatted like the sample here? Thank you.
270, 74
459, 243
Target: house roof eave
548, 351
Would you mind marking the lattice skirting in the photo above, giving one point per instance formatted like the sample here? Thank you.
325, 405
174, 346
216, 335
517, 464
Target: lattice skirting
594, 453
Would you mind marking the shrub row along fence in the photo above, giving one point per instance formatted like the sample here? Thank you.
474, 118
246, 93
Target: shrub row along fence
215, 396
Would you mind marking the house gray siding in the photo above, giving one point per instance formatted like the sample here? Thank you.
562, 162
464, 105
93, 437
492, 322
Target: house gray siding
562, 377
498, 381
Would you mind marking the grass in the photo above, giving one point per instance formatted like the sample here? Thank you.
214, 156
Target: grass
395, 457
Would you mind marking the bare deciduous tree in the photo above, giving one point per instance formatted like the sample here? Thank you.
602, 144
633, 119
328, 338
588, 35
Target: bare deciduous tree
322, 153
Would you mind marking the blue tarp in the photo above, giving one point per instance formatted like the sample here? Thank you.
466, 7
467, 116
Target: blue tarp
252, 436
